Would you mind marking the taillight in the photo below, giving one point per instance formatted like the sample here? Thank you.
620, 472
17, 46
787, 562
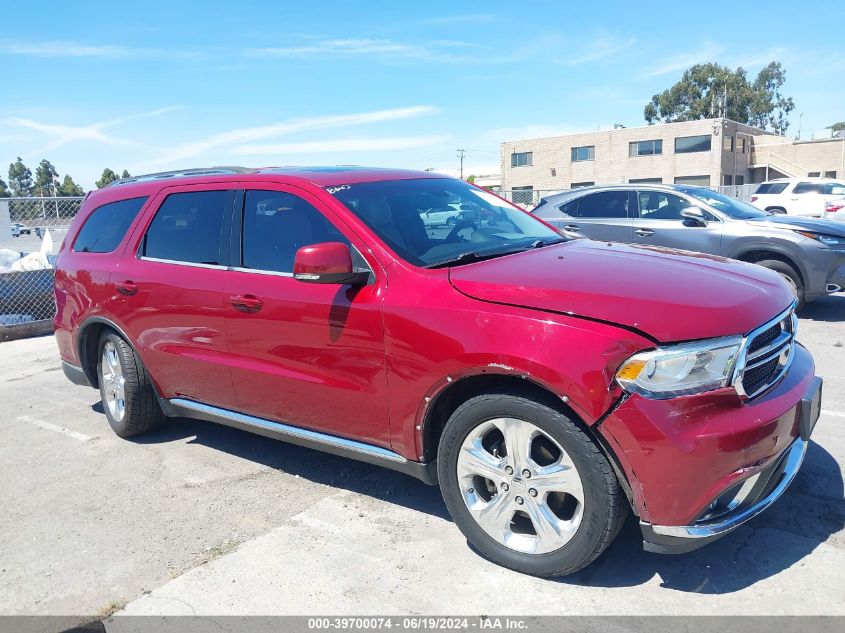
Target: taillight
753, 198
833, 208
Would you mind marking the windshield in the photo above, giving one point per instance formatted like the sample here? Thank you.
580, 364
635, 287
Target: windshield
729, 206
433, 221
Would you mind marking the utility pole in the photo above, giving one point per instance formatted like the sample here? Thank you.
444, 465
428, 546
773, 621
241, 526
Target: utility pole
461, 153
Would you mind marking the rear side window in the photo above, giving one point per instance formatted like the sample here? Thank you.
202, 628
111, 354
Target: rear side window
605, 204
772, 188
807, 187
188, 227
105, 227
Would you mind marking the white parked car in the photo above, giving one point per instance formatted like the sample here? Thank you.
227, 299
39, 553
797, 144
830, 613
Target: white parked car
797, 196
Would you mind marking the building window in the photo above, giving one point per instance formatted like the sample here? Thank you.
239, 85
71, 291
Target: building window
814, 174
740, 144
646, 181
727, 180
577, 185
695, 181
727, 143
645, 148
830, 174
690, 144
523, 195
739, 180
588, 152
522, 159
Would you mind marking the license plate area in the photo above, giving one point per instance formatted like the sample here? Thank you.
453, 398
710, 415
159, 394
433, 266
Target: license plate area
811, 405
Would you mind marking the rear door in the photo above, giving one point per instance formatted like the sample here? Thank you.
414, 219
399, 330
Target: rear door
171, 292
659, 223
602, 215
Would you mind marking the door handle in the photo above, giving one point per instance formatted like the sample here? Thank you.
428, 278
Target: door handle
127, 287
644, 232
571, 227
246, 303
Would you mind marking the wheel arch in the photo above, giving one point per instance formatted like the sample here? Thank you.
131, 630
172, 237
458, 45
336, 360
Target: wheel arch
87, 341
440, 406
754, 255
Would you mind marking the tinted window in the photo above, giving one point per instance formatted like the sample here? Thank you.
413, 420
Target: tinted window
522, 159
726, 204
645, 148
772, 188
807, 187
659, 205
604, 204
696, 181
833, 188
106, 226
396, 211
187, 227
588, 152
688, 144
276, 225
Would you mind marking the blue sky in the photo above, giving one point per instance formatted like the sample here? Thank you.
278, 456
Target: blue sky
154, 86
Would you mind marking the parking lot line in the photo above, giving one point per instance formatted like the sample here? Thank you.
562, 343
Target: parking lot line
837, 414
54, 427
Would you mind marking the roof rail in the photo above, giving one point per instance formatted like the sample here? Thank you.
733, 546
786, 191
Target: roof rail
183, 173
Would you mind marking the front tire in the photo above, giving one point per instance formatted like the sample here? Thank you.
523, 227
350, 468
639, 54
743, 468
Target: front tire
790, 276
527, 487
128, 397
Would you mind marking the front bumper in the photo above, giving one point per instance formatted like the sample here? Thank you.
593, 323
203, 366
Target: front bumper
751, 498
700, 466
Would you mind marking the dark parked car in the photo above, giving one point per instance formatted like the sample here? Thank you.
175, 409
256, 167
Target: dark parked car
808, 253
548, 385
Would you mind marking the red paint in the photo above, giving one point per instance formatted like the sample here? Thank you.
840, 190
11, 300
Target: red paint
366, 362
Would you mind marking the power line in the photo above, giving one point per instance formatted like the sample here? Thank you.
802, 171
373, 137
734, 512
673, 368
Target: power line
461, 153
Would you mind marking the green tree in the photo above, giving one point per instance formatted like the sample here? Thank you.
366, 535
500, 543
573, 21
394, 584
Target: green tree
4, 189
106, 179
45, 175
471, 178
836, 127
20, 179
707, 91
125, 174
70, 188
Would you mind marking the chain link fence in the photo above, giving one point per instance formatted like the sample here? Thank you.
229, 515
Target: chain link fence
31, 231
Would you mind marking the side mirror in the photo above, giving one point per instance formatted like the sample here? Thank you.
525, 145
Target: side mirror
693, 216
327, 263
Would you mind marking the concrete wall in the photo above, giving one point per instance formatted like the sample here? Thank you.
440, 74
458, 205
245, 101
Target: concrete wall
801, 158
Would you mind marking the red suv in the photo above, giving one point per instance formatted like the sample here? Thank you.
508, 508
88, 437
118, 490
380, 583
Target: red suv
548, 385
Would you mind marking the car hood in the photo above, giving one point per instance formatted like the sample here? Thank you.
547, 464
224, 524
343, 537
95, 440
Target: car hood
801, 224
667, 294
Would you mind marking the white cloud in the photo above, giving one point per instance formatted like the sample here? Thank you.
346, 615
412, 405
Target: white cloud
341, 145
60, 135
68, 48
602, 47
362, 46
196, 148
707, 53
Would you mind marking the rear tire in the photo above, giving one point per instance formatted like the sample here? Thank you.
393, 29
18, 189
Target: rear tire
570, 490
778, 210
129, 399
789, 274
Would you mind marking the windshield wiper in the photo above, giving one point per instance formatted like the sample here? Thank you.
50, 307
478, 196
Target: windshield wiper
542, 243
471, 256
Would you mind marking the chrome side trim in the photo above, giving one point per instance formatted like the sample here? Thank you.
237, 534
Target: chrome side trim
272, 273
794, 459
287, 431
178, 263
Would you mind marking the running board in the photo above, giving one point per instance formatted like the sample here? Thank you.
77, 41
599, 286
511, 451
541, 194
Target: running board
181, 407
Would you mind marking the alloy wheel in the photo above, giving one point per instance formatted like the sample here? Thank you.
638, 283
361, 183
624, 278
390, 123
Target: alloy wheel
520, 485
113, 381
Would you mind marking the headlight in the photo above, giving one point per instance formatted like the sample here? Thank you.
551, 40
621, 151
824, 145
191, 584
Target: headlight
683, 369
828, 240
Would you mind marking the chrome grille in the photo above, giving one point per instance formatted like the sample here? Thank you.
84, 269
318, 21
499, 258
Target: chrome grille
766, 355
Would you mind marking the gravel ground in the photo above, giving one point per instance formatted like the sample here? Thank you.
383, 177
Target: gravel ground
199, 518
